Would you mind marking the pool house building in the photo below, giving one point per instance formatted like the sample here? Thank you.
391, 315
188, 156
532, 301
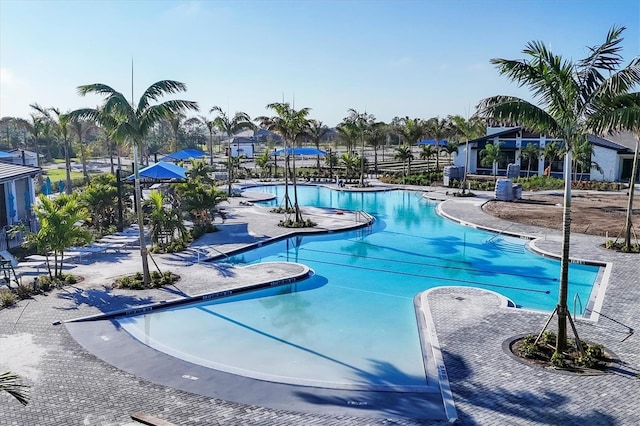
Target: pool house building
613, 154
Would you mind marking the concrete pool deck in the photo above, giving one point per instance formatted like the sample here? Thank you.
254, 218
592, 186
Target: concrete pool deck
72, 386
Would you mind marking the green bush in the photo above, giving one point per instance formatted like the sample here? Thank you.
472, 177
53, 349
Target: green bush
548, 338
24, 291
558, 360
290, 223
7, 298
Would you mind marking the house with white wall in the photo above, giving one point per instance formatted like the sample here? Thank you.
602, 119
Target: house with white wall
613, 158
17, 195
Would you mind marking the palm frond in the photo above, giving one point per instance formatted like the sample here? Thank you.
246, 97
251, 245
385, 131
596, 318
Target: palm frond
159, 89
98, 88
616, 114
510, 109
9, 383
605, 57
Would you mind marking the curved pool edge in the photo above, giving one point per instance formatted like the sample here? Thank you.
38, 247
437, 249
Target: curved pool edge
596, 298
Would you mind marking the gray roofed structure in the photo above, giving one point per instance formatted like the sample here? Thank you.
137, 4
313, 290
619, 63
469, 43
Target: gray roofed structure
10, 171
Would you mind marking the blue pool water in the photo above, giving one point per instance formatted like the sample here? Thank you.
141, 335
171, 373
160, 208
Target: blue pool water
353, 323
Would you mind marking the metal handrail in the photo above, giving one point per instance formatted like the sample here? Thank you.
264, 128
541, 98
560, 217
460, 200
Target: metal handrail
576, 299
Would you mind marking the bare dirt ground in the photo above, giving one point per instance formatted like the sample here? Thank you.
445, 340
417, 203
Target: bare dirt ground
591, 213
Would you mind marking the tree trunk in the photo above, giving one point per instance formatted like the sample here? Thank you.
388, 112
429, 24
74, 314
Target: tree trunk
628, 223
138, 199
562, 309
67, 158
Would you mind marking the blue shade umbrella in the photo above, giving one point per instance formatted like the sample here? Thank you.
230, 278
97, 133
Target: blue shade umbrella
301, 151
27, 200
431, 142
11, 206
61, 186
46, 187
185, 154
162, 171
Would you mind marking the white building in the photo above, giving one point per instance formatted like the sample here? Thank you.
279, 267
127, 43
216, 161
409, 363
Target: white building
615, 158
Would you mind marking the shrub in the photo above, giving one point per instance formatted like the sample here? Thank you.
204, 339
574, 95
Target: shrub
558, 360
24, 291
7, 298
548, 338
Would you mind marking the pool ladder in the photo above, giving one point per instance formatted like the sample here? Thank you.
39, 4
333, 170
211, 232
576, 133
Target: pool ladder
576, 300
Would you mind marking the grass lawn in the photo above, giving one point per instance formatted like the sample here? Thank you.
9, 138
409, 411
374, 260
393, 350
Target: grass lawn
61, 174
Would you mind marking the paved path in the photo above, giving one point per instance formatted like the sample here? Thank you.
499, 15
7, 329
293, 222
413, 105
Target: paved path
71, 386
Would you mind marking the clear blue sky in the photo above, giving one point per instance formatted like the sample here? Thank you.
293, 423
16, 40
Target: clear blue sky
391, 58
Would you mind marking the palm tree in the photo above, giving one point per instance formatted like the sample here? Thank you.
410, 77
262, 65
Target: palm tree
438, 128
362, 123
263, 161
614, 115
211, 127
80, 129
59, 228
490, 155
403, 153
427, 152
292, 126
317, 131
466, 129
450, 148
568, 93
133, 123
378, 136
531, 152
551, 152
582, 158
9, 383
231, 126
175, 122
62, 122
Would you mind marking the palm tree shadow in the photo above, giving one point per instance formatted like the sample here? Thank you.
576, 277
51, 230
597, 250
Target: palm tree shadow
521, 406
102, 298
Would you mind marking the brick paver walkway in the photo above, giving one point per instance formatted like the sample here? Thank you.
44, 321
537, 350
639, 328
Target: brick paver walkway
71, 386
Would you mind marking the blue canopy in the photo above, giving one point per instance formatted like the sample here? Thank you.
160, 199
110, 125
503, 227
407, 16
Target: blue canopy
185, 154
301, 151
431, 142
161, 171
5, 154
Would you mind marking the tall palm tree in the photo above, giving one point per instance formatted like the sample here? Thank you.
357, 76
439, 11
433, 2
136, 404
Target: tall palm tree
211, 127
317, 131
231, 126
292, 126
438, 128
378, 137
614, 115
176, 121
363, 122
133, 123
531, 152
466, 129
80, 128
568, 93
62, 121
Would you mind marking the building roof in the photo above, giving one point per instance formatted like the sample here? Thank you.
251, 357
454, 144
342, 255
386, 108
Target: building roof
605, 143
10, 171
508, 131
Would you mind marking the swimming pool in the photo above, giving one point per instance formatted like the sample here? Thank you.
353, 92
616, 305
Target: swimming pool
352, 325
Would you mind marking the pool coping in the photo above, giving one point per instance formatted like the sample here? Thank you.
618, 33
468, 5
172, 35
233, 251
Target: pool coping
596, 297
101, 336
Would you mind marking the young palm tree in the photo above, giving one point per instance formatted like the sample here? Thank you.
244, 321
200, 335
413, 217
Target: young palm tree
378, 136
231, 126
568, 93
403, 153
551, 152
59, 228
490, 155
133, 123
427, 152
362, 123
80, 128
450, 148
614, 115
582, 158
531, 152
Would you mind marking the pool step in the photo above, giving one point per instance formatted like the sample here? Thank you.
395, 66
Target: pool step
506, 246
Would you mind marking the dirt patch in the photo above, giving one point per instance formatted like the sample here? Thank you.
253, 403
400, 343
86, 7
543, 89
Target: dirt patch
594, 214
